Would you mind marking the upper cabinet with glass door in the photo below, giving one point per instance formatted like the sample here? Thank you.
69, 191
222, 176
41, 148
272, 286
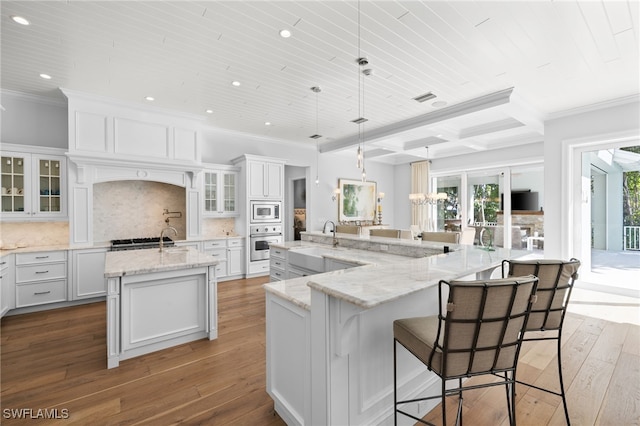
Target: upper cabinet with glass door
220, 193
33, 186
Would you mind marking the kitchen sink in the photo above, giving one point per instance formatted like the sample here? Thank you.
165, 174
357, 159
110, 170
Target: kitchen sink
309, 258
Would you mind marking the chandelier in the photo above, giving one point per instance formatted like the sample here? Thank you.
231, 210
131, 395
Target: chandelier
432, 198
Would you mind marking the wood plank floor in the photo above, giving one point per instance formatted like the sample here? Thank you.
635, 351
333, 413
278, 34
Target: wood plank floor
57, 360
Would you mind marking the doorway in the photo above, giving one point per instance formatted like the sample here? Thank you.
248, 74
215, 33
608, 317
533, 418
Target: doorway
299, 207
610, 173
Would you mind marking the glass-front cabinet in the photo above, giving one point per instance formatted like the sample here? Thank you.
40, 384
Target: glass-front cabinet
32, 185
220, 193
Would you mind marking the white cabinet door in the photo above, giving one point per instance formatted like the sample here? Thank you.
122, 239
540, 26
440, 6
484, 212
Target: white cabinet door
235, 261
220, 193
88, 273
266, 179
7, 284
275, 180
257, 187
33, 185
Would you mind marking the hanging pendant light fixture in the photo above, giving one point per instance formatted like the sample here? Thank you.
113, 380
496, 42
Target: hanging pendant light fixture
317, 136
361, 61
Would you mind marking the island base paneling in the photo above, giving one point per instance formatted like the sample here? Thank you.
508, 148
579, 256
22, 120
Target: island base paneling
154, 311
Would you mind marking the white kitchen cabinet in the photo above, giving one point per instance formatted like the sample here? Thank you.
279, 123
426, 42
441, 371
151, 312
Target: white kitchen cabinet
7, 284
230, 254
266, 179
87, 275
33, 185
220, 193
41, 277
278, 268
235, 257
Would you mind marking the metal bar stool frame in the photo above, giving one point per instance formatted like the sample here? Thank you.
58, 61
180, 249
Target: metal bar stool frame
556, 304
446, 327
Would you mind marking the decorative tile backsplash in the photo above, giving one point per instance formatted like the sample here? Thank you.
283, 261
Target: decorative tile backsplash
32, 234
132, 209
218, 227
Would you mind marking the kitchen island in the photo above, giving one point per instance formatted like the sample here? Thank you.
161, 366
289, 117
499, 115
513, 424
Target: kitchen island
330, 336
158, 299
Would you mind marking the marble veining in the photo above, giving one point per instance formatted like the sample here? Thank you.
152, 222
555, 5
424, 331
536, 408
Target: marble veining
134, 262
371, 285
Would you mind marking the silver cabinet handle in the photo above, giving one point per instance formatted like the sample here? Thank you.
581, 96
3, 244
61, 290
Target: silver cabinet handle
42, 272
41, 292
42, 257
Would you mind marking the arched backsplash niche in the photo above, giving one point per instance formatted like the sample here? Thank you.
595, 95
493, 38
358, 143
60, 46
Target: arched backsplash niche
134, 209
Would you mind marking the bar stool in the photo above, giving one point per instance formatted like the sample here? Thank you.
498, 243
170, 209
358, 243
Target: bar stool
556, 279
480, 333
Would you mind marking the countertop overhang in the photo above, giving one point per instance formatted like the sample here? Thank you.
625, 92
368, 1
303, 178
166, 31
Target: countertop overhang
135, 262
374, 284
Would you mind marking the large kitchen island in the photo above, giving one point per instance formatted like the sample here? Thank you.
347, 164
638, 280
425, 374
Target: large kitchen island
330, 336
158, 299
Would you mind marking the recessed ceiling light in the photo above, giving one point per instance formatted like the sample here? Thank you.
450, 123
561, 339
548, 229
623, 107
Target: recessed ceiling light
20, 20
149, 98
209, 111
267, 123
285, 33
439, 104
45, 76
235, 83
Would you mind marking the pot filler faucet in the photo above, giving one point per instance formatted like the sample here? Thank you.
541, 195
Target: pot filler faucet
171, 228
324, 231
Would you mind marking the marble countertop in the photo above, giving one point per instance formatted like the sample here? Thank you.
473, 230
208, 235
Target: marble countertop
134, 262
360, 257
102, 244
374, 284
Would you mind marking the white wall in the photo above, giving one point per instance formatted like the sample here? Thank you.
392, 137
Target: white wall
563, 222
221, 147
30, 120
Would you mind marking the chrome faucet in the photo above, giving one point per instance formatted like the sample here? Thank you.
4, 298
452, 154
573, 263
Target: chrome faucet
175, 232
324, 231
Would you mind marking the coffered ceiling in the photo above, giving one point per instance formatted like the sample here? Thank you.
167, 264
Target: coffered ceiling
497, 69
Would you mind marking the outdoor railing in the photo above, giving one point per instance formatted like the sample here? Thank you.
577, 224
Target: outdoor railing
632, 237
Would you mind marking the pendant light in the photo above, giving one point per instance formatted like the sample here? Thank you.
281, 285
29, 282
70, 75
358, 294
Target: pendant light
361, 61
317, 136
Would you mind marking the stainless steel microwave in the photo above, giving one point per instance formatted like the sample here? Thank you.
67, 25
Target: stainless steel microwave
266, 211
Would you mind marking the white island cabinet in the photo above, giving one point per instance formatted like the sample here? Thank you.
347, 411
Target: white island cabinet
156, 300
330, 337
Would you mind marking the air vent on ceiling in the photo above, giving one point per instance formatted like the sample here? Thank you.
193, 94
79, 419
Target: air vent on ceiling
315, 136
425, 97
360, 120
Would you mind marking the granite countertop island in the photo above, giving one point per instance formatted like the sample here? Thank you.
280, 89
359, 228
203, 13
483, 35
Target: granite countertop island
156, 300
330, 336
134, 262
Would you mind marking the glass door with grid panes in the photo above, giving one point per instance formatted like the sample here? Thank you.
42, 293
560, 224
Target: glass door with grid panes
15, 183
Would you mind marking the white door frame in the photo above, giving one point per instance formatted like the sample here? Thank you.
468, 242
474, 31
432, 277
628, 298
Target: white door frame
576, 192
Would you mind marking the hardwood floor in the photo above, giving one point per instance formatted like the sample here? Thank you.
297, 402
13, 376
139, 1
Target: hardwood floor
57, 360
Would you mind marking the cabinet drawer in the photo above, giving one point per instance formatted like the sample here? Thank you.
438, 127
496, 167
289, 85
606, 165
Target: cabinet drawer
276, 275
41, 257
278, 252
277, 263
45, 271
214, 244
235, 243
41, 293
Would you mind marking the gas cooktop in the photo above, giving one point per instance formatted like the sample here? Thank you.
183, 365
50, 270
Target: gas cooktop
140, 243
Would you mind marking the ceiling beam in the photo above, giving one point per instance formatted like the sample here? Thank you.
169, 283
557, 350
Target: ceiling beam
467, 107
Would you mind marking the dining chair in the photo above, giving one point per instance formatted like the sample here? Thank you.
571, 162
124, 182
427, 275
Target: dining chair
348, 229
442, 237
555, 283
480, 333
386, 233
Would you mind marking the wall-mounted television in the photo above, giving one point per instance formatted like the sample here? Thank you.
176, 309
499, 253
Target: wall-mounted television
522, 200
